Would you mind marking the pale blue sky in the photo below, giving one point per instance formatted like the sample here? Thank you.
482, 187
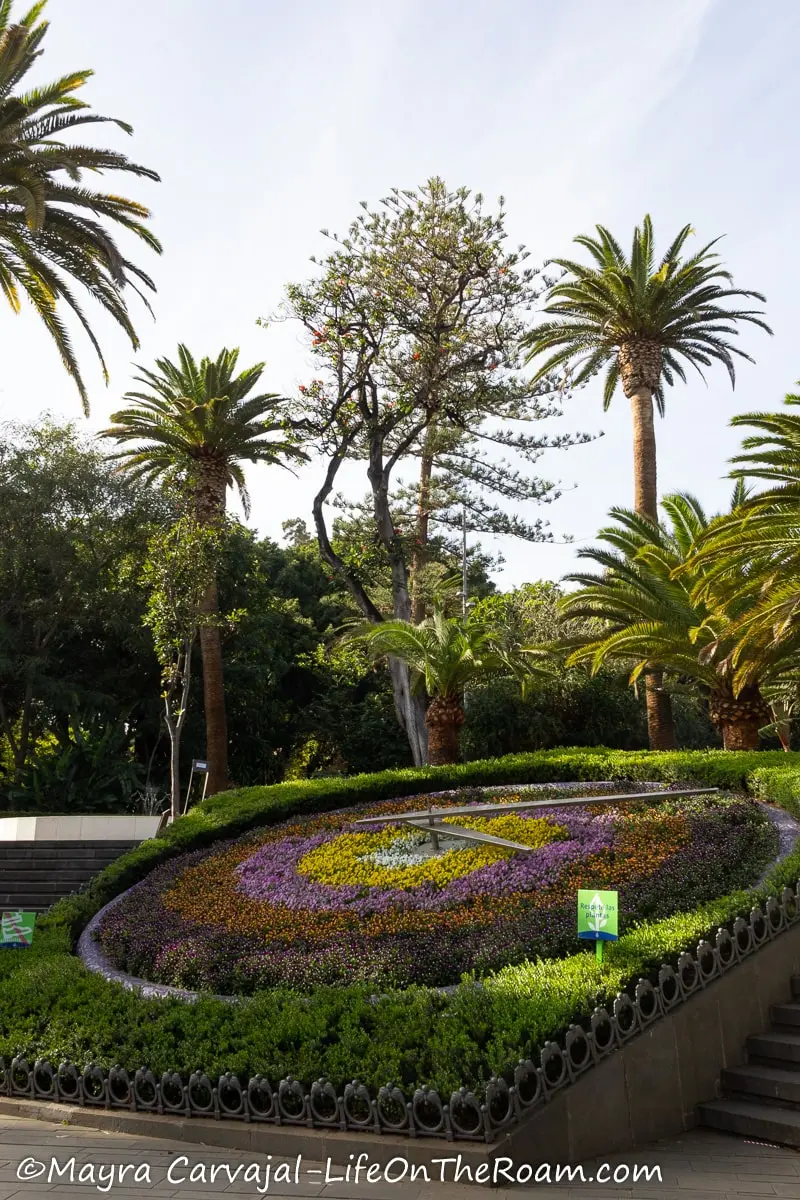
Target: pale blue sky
269, 121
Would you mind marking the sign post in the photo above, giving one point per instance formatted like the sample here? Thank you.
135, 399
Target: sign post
199, 767
16, 929
598, 914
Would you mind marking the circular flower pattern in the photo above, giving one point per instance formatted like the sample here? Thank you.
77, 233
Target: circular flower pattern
396, 859
323, 900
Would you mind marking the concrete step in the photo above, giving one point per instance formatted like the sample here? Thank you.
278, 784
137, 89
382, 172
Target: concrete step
19, 906
61, 850
34, 892
760, 1080
762, 1122
11, 879
49, 870
786, 1015
34, 875
778, 1045
40, 894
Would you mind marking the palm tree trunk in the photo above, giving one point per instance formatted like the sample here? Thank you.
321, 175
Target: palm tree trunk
645, 484
660, 722
214, 697
739, 718
209, 503
658, 705
444, 719
740, 735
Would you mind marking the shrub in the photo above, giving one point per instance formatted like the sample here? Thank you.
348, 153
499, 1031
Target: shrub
778, 785
575, 709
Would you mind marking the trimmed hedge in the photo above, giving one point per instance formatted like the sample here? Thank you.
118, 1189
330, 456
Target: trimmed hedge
51, 1007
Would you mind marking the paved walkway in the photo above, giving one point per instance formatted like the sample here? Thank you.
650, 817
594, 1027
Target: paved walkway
698, 1166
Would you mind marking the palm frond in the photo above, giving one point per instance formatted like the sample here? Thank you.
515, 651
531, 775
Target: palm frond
54, 232
682, 305
199, 420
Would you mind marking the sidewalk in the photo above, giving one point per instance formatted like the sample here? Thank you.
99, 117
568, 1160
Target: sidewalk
699, 1166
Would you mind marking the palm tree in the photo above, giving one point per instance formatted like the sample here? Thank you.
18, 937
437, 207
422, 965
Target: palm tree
646, 600
193, 427
642, 320
53, 229
445, 655
756, 549
773, 453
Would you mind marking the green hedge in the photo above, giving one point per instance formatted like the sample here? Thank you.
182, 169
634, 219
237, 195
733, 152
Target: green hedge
778, 785
50, 1006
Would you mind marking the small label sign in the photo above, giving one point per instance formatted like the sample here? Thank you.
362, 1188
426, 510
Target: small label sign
16, 929
598, 915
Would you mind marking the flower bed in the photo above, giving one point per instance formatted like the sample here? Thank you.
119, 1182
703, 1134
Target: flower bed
319, 900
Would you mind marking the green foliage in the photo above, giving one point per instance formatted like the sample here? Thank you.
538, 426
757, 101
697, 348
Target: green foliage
771, 453
181, 566
349, 719
54, 230
436, 569
777, 785
572, 709
390, 304
193, 428
649, 609
528, 615
414, 321
299, 698
753, 552
641, 601
81, 722
181, 562
675, 303
75, 661
51, 1007
89, 768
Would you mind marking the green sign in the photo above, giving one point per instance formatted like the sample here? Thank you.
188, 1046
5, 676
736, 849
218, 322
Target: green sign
16, 929
597, 916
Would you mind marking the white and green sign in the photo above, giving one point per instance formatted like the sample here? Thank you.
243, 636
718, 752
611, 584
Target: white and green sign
598, 914
16, 929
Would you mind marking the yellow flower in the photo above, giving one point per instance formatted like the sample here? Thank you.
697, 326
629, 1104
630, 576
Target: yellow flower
347, 859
